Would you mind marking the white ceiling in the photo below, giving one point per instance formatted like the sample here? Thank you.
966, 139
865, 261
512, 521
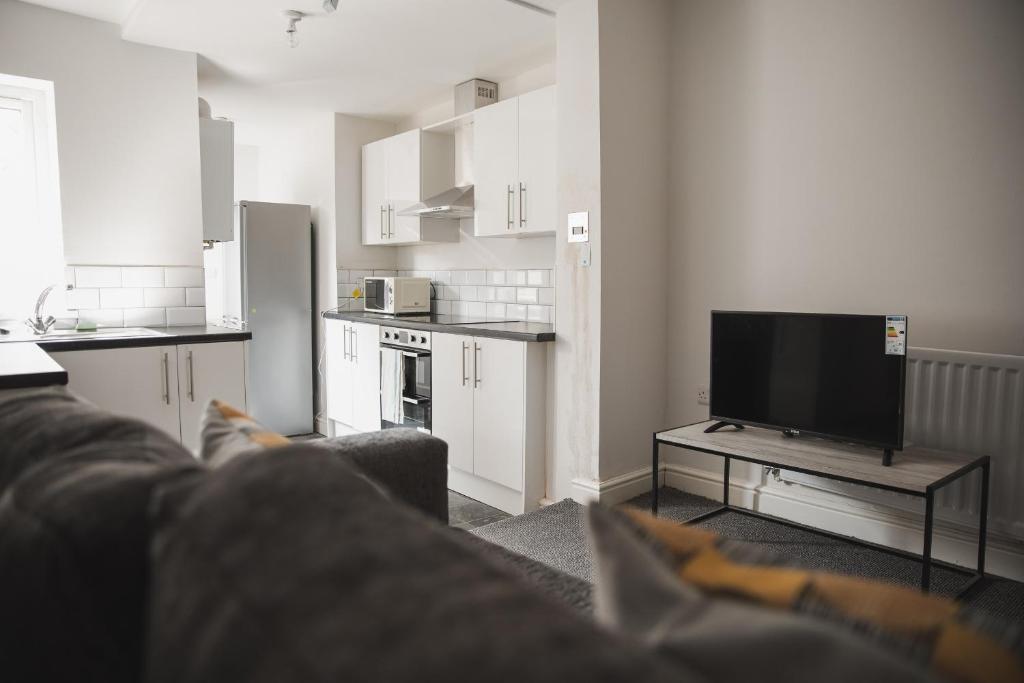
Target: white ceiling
371, 57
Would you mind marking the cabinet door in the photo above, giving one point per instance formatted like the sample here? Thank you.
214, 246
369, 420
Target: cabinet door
403, 186
499, 373
206, 372
494, 168
452, 396
339, 371
137, 382
217, 172
375, 157
365, 349
536, 196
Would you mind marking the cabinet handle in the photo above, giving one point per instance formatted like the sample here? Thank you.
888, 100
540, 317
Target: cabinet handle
344, 342
354, 355
391, 221
165, 385
522, 205
465, 377
476, 364
191, 378
508, 207
382, 235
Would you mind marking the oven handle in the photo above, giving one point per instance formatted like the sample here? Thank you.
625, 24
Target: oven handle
412, 354
415, 401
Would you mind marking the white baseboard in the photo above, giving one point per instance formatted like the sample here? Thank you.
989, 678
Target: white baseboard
830, 512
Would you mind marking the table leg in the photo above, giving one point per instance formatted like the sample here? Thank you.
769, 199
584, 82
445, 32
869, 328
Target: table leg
983, 522
654, 477
926, 555
725, 484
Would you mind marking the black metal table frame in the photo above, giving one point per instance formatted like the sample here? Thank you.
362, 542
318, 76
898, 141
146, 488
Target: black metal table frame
982, 462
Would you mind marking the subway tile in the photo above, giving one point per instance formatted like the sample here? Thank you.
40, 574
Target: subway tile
103, 318
195, 296
121, 297
527, 295
443, 276
487, 294
505, 294
515, 312
496, 311
460, 277
469, 293
83, 298
183, 276
142, 276
538, 278
547, 296
460, 308
343, 275
451, 293
358, 275
145, 317
422, 273
385, 273
538, 314
496, 277
516, 277
97, 276
69, 275
163, 296
186, 316
443, 307
476, 277
476, 308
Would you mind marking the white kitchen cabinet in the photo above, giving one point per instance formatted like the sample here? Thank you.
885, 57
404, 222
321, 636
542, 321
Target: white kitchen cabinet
136, 382
488, 398
514, 166
166, 386
398, 172
205, 372
217, 173
353, 374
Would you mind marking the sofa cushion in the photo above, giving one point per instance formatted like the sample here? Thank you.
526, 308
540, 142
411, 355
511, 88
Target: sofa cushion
74, 543
291, 566
227, 433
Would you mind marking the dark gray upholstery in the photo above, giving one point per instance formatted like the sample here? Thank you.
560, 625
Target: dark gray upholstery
386, 457
292, 566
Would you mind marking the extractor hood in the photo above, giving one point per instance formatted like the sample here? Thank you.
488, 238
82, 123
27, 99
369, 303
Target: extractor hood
454, 203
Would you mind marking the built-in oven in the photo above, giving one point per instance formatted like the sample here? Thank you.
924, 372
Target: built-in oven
405, 378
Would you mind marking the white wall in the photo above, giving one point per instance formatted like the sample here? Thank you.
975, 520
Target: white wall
127, 136
858, 157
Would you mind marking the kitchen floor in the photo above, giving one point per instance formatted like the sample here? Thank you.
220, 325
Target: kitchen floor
466, 513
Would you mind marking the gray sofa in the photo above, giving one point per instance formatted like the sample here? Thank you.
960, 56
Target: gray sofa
122, 558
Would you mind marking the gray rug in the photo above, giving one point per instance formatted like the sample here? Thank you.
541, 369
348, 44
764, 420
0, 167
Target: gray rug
555, 537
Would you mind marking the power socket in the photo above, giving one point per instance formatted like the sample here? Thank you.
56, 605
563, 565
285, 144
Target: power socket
703, 395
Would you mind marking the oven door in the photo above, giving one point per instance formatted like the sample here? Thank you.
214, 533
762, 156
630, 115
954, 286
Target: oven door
405, 388
375, 295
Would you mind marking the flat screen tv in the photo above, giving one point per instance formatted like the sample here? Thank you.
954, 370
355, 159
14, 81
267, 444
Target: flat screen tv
831, 375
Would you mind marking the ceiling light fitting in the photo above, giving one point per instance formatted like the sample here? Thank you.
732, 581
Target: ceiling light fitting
294, 17
330, 6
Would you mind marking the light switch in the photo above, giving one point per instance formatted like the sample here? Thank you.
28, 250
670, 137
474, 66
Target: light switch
579, 226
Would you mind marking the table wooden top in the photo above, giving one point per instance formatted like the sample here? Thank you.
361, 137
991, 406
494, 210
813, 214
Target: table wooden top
913, 469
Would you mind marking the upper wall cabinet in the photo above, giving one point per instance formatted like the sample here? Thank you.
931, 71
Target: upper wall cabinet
217, 167
399, 172
514, 166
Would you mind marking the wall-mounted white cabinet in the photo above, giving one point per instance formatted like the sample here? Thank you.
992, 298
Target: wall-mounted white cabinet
217, 166
353, 374
488, 399
166, 386
514, 157
398, 172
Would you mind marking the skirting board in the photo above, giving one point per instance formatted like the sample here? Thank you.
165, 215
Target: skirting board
894, 528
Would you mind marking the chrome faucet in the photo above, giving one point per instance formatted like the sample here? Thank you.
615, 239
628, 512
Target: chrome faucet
37, 323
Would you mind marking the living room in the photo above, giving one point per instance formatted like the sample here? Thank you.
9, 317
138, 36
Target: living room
267, 207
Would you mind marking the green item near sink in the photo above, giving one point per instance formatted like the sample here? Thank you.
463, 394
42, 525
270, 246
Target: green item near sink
85, 326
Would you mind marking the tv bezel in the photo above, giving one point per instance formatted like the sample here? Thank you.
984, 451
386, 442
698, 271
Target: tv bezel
784, 428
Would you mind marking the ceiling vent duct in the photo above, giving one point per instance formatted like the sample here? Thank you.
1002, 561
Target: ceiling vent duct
473, 94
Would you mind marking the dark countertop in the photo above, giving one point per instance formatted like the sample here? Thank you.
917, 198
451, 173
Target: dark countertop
515, 331
24, 365
170, 336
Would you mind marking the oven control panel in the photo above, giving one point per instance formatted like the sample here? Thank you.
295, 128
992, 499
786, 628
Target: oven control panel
412, 339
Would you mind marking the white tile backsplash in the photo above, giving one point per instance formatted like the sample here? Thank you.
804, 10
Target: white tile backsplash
183, 277
136, 296
494, 294
186, 316
145, 317
97, 276
102, 318
83, 298
142, 276
121, 297
164, 296
195, 296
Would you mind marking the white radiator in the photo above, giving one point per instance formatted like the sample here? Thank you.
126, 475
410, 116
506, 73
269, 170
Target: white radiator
966, 402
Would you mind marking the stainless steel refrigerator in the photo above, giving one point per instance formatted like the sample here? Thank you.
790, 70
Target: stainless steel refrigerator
263, 281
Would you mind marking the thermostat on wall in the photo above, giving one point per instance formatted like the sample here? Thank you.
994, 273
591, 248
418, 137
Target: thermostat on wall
579, 226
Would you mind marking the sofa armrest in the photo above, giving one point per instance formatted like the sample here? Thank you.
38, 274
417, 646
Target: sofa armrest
411, 465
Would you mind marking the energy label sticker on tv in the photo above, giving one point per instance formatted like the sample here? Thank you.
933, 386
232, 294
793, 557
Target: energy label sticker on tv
895, 335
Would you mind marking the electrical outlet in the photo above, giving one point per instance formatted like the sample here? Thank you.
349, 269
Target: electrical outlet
703, 395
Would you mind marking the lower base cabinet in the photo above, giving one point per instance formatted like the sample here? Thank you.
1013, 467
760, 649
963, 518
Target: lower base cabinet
488, 400
353, 375
166, 386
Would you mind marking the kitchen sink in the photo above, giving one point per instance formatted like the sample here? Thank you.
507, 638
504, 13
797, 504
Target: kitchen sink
23, 335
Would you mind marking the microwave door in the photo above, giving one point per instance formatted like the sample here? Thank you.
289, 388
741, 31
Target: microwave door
373, 295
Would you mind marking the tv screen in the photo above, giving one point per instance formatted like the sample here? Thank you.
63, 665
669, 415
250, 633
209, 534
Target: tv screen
838, 376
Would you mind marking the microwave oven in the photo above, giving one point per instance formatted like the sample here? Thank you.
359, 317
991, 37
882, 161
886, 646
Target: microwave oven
396, 295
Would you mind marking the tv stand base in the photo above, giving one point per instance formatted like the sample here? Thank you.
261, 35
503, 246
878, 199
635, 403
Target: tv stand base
718, 425
887, 457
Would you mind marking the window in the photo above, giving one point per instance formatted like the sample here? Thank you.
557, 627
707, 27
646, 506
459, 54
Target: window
31, 243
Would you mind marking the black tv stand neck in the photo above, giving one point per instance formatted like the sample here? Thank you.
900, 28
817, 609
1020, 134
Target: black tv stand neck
887, 457
718, 425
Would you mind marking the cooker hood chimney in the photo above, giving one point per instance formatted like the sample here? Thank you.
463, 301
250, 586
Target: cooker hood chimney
454, 203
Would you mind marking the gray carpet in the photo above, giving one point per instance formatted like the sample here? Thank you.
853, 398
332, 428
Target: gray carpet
554, 536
